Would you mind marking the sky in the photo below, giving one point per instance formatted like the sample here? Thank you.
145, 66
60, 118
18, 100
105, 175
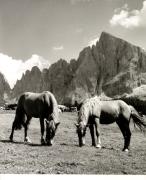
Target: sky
40, 32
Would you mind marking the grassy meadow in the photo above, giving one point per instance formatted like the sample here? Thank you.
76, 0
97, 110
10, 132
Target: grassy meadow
65, 156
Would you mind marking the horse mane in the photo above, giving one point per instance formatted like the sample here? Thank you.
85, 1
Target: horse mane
87, 109
54, 106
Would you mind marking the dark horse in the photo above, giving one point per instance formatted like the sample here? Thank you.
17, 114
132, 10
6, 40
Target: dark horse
38, 105
94, 112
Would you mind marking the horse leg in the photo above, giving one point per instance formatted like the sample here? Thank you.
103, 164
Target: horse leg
42, 131
97, 129
12, 132
91, 127
26, 124
126, 134
127, 137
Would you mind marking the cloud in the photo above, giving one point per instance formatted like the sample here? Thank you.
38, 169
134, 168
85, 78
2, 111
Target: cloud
129, 19
13, 69
93, 42
58, 48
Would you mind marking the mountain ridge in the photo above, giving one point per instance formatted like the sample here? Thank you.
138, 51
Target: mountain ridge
113, 66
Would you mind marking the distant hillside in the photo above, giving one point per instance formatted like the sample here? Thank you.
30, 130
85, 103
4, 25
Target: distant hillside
113, 66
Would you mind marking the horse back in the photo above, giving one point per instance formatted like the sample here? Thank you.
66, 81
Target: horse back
113, 110
36, 104
125, 109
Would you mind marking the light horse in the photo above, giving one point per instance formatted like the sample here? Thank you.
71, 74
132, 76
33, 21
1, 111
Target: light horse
94, 112
38, 105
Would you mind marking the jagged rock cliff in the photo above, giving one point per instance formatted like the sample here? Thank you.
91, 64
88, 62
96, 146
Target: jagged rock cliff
4, 89
30, 81
58, 78
125, 65
113, 66
83, 84
55, 79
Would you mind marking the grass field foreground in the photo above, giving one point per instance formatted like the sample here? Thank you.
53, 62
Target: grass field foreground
65, 156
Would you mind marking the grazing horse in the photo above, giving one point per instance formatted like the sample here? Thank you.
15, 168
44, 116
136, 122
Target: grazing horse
94, 112
38, 105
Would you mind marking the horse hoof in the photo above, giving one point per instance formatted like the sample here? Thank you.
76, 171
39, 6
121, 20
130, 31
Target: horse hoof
81, 145
43, 142
11, 140
49, 144
93, 145
27, 140
126, 150
98, 146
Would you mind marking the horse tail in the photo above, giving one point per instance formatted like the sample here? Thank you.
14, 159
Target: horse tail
20, 114
138, 119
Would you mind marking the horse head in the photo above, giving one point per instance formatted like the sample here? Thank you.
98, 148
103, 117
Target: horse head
51, 128
81, 131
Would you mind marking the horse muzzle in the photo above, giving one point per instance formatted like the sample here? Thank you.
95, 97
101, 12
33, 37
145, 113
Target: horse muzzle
82, 142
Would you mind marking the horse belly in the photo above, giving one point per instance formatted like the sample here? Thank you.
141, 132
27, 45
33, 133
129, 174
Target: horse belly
106, 118
32, 112
31, 109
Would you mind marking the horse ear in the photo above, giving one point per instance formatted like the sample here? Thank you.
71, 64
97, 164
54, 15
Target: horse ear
77, 125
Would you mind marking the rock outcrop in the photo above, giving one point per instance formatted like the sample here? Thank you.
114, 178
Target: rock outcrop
4, 89
137, 99
55, 79
125, 65
83, 84
30, 81
113, 66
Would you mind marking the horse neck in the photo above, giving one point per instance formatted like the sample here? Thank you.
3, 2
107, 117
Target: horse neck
55, 116
55, 113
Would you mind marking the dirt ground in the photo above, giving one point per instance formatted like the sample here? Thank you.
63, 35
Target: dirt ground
65, 156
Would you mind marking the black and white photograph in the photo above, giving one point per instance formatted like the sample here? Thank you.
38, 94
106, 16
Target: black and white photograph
72, 88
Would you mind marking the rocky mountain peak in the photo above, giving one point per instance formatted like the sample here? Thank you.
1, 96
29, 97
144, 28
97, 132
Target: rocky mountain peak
113, 66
